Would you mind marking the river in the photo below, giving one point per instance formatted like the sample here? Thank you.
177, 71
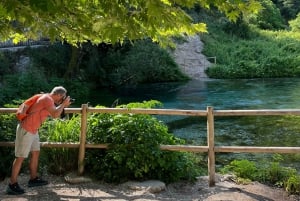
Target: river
225, 94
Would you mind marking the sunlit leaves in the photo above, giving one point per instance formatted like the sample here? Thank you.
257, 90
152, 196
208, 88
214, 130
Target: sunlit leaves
97, 26
254, 7
17, 38
99, 21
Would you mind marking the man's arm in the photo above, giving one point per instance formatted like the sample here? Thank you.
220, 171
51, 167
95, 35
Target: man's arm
55, 111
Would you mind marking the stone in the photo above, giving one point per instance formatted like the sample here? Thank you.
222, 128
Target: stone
72, 178
152, 186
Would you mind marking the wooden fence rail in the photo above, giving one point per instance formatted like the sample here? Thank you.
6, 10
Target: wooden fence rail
209, 113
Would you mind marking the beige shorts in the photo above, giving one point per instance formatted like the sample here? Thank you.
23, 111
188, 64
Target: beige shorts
26, 142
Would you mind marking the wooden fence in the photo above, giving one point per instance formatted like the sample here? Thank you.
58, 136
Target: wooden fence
210, 148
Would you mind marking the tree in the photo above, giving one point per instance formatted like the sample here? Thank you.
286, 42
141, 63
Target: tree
288, 8
108, 21
269, 17
295, 24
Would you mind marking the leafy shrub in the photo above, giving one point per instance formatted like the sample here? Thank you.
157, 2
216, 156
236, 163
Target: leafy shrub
52, 60
134, 151
295, 23
256, 58
143, 62
269, 17
293, 184
7, 134
274, 173
239, 28
6, 61
288, 8
60, 160
269, 172
241, 168
22, 85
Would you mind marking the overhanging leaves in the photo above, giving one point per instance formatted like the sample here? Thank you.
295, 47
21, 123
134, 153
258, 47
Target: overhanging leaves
99, 21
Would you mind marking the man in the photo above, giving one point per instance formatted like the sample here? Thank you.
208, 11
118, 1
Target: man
27, 137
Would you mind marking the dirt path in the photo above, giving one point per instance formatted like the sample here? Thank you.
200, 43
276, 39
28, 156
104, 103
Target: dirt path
58, 189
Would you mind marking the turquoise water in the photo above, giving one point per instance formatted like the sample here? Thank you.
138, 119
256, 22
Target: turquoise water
226, 94
221, 94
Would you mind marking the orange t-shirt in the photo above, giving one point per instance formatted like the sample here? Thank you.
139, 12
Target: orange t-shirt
38, 114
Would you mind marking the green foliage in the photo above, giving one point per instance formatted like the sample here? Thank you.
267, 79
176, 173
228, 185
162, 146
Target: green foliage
7, 60
109, 21
8, 124
272, 173
288, 8
128, 64
134, 151
60, 160
249, 52
242, 168
293, 184
145, 104
268, 18
144, 62
61, 130
295, 24
52, 60
269, 54
239, 28
22, 85
98, 66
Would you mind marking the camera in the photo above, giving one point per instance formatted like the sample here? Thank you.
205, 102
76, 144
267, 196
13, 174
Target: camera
72, 100
63, 114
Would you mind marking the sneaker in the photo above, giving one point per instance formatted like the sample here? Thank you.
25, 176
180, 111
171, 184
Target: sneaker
37, 182
14, 189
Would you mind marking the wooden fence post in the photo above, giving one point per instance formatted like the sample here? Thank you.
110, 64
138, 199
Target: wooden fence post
211, 146
82, 139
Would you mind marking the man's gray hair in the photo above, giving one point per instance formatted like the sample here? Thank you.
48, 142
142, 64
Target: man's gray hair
59, 90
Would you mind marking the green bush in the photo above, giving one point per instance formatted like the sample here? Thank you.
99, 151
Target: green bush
134, 151
295, 23
241, 168
269, 17
261, 57
293, 184
8, 125
268, 172
22, 85
143, 62
60, 160
52, 60
274, 173
7, 60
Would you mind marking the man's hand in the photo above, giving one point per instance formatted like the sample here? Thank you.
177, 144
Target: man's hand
66, 102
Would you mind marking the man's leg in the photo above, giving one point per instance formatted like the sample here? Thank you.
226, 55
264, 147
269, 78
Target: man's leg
17, 164
33, 164
22, 148
13, 187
